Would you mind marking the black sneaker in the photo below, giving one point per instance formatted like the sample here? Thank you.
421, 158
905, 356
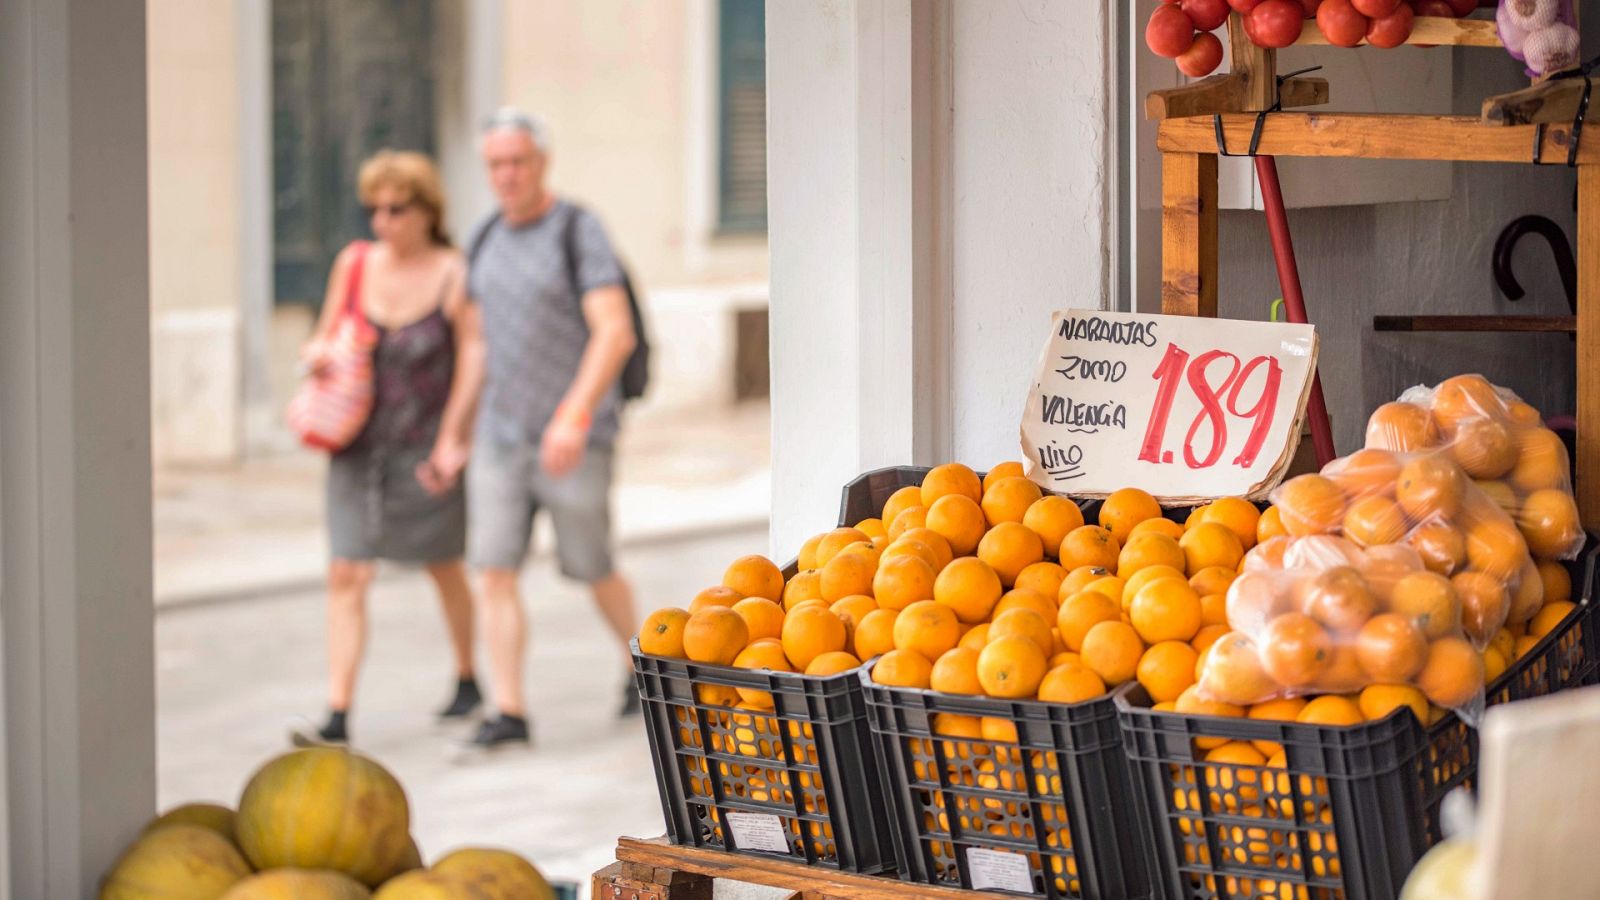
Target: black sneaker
466, 701
502, 731
630, 702
333, 734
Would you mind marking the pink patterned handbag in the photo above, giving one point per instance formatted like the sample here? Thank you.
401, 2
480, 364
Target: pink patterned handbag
333, 403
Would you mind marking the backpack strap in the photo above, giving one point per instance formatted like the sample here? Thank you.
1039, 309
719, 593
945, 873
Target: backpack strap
481, 235
569, 250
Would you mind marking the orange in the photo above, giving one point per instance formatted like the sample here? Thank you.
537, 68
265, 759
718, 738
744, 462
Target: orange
928, 628
950, 479
1521, 413
1443, 548
1011, 667
1270, 525
1159, 526
1233, 672
1237, 514
1192, 703
1496, 547
1008, 500
1499, 493
1344, 674
836, 540
910, 547
762, 617
1043, 578
1310, 504
952, 725
958, 519
1213, 580
1483, 448
956, 672
940, 547
1429, 601
900, 501
832, 663
1463, 397
1525, 645
1453, 673
1083, 611
1505, 642
1527, 595
809, 632
1401, 427
1126, 508
1430, 485
1338, 598
714, 596
1210, 545
1213, 611
1110, 585
1166, 609
1484, 604
1284, 709
1007, 469
662, 632
1065, 656
1557, 581
999, 730
1025, 623
1378, 700
1052, 518
907, 520
976, 637
1008, 548
1206, 636
1548, 618
1112, 650
1070, 682
1089, 545
1233, 781
875, 633
1295, 649
848, 573
1390, 648
903, 580
1331, 709
873, 527
1023, 598
969, 587
1079, 579
1549, 522
1136, 582
761, 655
1366, 472
1541, 460
716, 695
1149, 550
1167, 670
1375, 519
1494, 664
903, 668
754, 576
807, 558
853, 608
802, 587
715, 635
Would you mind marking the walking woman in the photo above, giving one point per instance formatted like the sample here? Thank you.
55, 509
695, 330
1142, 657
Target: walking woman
395, 491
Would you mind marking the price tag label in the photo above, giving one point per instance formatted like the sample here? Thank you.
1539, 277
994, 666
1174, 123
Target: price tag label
999, 870
1184, 407
758, 831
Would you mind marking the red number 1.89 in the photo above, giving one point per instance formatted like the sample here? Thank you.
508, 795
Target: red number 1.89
1171, 374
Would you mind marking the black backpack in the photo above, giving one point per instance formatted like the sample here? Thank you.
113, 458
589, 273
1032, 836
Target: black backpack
635, 377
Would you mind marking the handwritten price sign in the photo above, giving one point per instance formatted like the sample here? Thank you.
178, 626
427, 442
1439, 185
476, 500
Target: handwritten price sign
1181, 406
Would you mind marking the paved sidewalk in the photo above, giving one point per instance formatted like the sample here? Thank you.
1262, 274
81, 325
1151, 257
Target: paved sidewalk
256, 529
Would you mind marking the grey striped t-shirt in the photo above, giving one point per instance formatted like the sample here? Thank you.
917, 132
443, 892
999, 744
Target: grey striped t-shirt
533, 325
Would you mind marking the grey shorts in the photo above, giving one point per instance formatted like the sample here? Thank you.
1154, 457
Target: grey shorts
506, 487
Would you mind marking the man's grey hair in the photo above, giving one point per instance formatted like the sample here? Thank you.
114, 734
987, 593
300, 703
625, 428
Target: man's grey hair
533, 126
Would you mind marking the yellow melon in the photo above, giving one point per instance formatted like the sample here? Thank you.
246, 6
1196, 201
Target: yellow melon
298, 884
176, 862
499, 874
428, 886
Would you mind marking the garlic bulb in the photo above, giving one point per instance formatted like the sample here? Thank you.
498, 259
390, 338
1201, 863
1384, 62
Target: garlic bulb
1529, 15
1552, 48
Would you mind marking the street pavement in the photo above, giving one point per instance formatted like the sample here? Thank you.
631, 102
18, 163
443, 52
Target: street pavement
234, 676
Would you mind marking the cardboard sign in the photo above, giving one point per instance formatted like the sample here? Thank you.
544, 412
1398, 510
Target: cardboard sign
1185, 407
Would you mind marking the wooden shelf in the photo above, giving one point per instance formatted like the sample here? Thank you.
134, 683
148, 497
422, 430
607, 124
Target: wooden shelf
1374, 136
1544, 324
1435, 30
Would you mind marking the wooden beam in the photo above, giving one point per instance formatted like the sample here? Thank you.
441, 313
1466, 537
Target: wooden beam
1548, 101
1556, 324
1588, 347
1226, 93
1256, 66
1427, 30
1374, 136
1189, 234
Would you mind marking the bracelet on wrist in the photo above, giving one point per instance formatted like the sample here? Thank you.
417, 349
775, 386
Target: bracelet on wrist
574, 417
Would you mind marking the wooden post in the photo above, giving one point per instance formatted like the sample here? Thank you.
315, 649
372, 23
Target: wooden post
1588, 256
1258, 67
1189, 234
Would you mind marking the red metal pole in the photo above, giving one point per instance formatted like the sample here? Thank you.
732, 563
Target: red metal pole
1294, 302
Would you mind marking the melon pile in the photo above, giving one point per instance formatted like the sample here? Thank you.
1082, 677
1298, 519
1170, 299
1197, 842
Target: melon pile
314, 824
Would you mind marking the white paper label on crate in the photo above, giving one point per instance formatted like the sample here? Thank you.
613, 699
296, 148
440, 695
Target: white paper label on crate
1185, 407
758, 831
999, 870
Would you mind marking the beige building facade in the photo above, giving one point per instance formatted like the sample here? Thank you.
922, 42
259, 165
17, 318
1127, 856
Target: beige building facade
632, 93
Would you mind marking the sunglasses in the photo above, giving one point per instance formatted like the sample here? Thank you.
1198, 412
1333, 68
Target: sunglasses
393, 209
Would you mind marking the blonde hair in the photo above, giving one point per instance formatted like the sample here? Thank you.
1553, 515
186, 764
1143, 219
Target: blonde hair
412, 173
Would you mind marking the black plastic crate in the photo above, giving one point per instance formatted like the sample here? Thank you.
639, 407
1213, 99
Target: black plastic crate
1051, 816
1355, 807
802, 775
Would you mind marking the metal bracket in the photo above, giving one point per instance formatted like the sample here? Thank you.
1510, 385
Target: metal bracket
618, 892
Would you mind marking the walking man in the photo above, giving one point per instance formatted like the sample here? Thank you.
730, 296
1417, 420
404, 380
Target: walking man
556, 331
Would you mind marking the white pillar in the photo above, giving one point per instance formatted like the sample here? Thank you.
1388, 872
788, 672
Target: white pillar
75, 590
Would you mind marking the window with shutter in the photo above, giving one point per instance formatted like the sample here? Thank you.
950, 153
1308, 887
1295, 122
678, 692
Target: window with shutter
742, 116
